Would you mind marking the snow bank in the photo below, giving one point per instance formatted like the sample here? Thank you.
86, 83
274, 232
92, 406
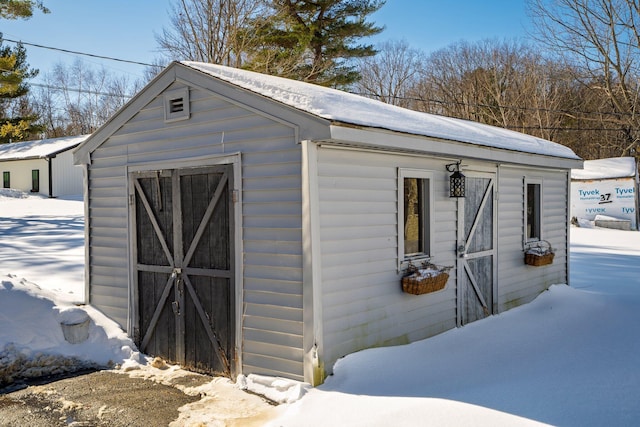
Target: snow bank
32, 343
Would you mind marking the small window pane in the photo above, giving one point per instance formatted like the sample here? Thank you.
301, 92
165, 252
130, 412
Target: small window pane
414, 216
533, 211
35, 181
6, 180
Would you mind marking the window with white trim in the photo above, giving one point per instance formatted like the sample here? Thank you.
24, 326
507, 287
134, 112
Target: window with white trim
533, 210
415, 217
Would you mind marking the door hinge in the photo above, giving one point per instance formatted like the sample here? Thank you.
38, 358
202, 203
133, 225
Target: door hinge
235, 196
132, 199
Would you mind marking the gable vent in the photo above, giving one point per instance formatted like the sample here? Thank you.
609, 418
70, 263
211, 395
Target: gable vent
176, 105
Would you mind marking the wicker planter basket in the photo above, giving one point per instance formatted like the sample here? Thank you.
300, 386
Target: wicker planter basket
419, 286
540, 254
430, 278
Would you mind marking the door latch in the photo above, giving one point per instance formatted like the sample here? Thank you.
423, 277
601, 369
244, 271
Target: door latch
462, 251
176, 308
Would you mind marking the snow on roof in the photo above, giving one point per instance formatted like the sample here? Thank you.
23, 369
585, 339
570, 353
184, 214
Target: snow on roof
335, 105
39, 148
616, 167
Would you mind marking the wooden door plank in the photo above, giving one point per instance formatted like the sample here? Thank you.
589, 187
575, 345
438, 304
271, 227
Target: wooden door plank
205, 219
154, 222
178, 311
479, 213
157, 312
474, 284
204, 318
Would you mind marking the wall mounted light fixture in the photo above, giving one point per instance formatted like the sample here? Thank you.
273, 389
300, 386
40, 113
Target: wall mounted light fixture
456, 180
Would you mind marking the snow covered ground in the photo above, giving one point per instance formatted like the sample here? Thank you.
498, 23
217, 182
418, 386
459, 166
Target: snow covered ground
570, 358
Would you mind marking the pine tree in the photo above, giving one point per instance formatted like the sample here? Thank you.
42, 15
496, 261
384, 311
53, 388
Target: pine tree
16, 119
13, 9
314, 41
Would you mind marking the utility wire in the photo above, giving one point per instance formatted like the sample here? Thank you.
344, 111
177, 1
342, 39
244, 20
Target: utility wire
506, 107
79, 53
368, 94
87, 91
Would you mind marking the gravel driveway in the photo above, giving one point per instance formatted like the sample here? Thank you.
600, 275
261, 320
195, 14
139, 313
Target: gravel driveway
106, 398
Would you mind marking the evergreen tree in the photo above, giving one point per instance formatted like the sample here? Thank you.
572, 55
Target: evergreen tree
314, 41
13, 9
16, 118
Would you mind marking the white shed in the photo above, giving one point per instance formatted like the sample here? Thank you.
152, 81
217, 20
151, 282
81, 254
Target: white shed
243, 223
606, 188
42, 166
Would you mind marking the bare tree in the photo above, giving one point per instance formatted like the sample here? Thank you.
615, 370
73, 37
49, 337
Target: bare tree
391, 74
506, 84
214, 31
78, 99
600, 39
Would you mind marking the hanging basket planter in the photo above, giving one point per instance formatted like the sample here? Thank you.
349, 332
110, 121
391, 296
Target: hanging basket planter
539, 253
429, 278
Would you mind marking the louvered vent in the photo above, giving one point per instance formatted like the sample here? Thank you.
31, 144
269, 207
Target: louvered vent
176, 105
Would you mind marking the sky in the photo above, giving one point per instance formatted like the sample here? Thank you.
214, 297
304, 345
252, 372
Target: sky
126, 29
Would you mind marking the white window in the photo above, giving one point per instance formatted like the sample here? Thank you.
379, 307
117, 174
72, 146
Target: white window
532, 210
415, 215
176, 105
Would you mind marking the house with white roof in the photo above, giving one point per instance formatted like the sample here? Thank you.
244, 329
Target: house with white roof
240, 223
606, 191
43, 166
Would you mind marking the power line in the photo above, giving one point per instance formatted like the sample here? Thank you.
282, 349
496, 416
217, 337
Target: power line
368, 94
80, 53
506, 107
87, 91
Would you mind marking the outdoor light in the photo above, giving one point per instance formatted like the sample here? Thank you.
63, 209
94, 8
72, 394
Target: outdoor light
456, 180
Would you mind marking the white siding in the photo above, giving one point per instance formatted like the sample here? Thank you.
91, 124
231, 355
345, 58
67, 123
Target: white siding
519, 283
67, 178
272, 281
363, 304
20, 174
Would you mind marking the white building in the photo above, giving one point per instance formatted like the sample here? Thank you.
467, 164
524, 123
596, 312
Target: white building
242, 223
42, 166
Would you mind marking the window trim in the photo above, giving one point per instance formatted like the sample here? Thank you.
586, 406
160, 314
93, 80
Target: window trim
429, 222
35, 180
535, 181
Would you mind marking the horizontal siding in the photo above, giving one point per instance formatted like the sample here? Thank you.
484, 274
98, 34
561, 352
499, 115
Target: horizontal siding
363, 304
519, 283
271, 216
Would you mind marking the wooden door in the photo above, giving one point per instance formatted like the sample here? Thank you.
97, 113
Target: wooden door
183, 246
476, 248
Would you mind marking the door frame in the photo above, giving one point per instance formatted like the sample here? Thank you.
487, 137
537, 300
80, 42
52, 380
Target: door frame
233, 159
476, 172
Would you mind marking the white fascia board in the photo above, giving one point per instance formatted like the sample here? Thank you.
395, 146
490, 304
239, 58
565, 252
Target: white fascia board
382, 139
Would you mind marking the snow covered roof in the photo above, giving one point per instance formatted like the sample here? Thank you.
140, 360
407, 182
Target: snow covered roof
38, 149
348, 108
615, 167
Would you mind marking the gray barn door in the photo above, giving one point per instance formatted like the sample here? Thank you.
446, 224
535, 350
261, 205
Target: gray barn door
183, 248
476, 248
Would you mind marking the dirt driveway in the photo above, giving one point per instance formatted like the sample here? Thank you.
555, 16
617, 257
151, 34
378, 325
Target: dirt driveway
106, 398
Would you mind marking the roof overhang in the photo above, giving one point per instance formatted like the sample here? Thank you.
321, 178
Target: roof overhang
386, 140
